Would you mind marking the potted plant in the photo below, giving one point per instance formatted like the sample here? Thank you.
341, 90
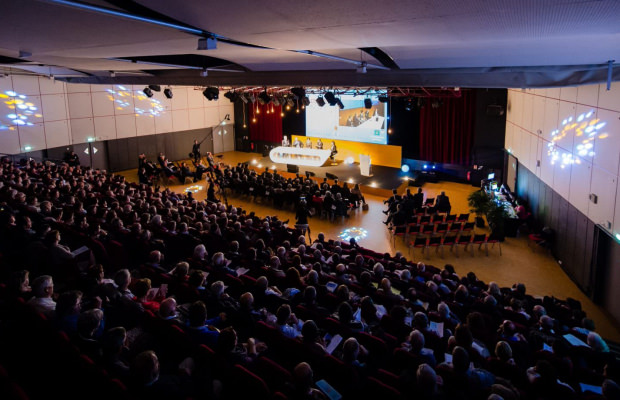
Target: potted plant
479, 203
496, 216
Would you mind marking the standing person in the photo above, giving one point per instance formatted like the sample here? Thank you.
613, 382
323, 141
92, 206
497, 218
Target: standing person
196, 150
418, 199
443, 203
301, 216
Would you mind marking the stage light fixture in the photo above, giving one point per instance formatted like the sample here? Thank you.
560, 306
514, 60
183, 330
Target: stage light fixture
339, 102
298, 92
331, 99
232, 96
243, 98
367, 103
408, 106
148, 92
276, 100
405, 168
251, 97
211, 93
383, 99
305, 101
264, 97
156, 88
320, 101
168, 93
290, 102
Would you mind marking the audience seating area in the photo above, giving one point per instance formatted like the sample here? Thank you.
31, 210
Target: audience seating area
116, 290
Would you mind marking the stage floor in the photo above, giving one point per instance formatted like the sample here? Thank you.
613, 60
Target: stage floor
382, 177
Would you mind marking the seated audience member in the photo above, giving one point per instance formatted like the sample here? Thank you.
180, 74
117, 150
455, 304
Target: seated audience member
303, 380
287, 322
147, 382
201, 329
115, 357
43, 293
88, 326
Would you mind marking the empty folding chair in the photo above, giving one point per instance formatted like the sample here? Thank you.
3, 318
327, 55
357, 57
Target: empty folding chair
441, 229
468, 227
479, 239
400, 230
413, 230
451, 218
456, 227
493, 239
448, 240
437, 218
463, 217
425, 219
435, 242
428, 230
420, 243
463, 240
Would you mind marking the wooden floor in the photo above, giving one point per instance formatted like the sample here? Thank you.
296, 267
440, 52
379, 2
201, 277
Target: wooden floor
536, 268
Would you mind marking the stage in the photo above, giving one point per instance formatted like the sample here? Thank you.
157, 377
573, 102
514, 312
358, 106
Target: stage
384, 179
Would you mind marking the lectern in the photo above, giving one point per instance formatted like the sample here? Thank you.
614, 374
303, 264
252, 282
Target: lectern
365, 167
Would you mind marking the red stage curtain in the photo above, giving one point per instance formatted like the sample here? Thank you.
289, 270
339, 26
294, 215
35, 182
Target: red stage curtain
268, 126
447, 132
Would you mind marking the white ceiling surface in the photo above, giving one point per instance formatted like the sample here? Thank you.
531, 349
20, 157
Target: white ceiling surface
415, 33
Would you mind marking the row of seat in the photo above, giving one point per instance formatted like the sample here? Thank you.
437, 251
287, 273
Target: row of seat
429, 230
454, 241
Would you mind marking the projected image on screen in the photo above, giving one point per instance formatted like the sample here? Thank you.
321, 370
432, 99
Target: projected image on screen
17, 110
354, 122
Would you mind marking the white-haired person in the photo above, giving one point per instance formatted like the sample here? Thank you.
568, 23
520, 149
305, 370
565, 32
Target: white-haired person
43, 293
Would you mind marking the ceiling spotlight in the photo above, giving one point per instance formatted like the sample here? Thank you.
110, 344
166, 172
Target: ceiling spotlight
331, 99
408, 106
264, 97
305, 101
168, 93
251, 97
243, 98
204, 72
320, 101
339, 102
232, 96
148, 92
276, 100
362, 67
156, 88
211, 93
383, 99
367, 103
299, 92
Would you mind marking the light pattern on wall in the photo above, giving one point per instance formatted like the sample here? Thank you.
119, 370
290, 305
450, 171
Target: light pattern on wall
586, 128
143, 105
18, 111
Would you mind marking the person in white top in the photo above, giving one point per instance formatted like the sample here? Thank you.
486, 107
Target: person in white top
308, 143
285, 141
297, 143
43, 291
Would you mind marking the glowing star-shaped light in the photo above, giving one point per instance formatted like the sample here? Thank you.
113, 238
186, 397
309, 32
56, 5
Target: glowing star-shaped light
193, 188
355, 233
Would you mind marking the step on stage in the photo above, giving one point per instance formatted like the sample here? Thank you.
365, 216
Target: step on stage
385, 178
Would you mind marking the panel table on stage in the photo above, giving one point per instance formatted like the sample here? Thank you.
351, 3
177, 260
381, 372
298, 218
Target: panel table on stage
299, 156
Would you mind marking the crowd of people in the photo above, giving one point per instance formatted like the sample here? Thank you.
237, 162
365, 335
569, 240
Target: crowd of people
199, 299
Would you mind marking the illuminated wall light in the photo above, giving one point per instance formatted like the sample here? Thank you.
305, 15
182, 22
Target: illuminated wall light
90, 139
259, 166
373, 184
404, 168
27, 148
617, 236
351, 180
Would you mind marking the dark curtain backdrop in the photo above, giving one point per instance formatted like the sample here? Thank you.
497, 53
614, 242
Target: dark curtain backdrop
268, 126
447, 132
